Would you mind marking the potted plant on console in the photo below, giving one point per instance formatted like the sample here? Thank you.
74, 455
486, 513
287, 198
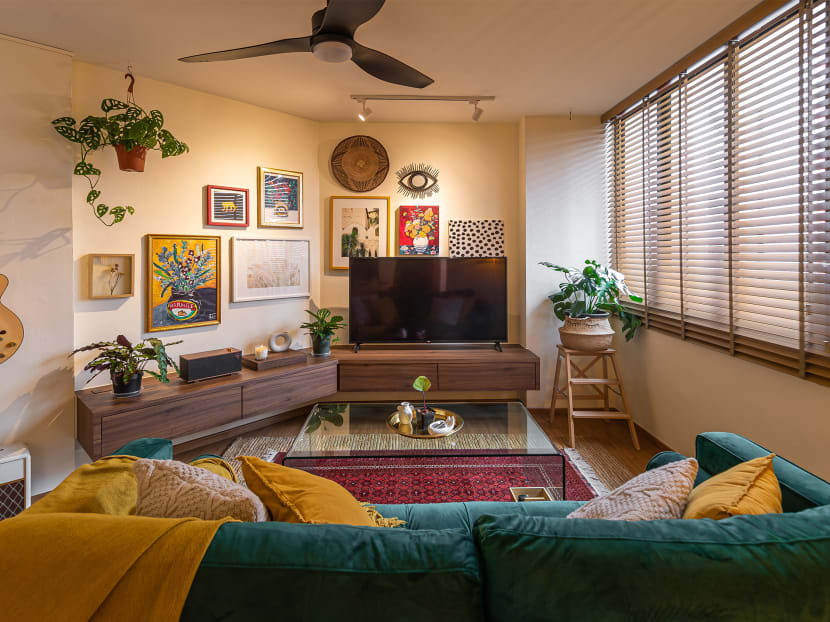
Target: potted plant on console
322, 330
127, 363
586, 300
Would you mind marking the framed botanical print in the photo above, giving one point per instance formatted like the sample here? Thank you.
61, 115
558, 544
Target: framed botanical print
280, 198
183, 281
269, 269
418, 230
227, 207
359, 228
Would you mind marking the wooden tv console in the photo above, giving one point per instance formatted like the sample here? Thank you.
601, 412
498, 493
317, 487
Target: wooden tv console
179, 409
450, 368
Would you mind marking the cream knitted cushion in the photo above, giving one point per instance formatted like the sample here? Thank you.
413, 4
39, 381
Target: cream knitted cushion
660, 493
173, 489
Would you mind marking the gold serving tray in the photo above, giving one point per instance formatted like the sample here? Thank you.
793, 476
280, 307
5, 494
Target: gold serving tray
440, 413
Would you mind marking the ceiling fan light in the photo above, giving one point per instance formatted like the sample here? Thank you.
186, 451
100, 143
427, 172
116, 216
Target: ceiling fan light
332, 51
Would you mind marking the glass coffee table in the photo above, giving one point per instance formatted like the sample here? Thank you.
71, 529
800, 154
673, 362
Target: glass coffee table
491, 429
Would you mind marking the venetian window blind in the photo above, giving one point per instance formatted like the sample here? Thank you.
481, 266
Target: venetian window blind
718, 202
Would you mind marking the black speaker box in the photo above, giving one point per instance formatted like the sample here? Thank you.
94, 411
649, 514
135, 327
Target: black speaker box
204, 365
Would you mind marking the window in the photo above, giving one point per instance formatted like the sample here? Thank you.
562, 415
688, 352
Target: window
718, 196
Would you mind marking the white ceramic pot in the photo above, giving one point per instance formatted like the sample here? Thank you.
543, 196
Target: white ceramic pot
587, 334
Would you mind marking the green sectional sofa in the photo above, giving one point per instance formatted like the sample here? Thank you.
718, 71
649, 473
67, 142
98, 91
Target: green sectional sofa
525, 562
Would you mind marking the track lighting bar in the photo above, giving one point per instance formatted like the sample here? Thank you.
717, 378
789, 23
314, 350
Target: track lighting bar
470, 99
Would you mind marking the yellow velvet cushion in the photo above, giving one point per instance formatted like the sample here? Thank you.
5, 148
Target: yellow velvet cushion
217, 466
294, 496
747, 488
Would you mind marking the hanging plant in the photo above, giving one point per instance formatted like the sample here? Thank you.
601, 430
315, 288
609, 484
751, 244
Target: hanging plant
131, 131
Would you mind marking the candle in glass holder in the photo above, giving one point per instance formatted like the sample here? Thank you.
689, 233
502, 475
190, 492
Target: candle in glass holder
261, 353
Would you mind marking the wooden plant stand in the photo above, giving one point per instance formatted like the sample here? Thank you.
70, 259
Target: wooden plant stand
601, 388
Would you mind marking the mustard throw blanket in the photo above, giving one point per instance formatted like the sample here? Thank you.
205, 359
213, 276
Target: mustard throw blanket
97, 567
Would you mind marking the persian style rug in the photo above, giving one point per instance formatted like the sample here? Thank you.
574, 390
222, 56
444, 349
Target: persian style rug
435, 479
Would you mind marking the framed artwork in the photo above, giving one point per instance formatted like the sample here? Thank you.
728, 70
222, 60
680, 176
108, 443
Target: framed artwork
359, 228
111, 275
270, 269
476, 238
418, 230
183, 281
227, 207
280, 198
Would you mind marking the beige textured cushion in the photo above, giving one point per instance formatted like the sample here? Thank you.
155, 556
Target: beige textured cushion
657, 494
172, 489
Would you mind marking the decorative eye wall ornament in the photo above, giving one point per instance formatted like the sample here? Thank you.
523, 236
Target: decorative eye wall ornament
417, 181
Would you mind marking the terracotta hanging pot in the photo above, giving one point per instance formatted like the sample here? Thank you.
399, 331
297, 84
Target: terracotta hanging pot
588, 334
133, 160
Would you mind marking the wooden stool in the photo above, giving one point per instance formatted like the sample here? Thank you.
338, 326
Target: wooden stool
576, 375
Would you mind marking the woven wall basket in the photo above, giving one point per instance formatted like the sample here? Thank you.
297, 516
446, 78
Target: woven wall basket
359, 163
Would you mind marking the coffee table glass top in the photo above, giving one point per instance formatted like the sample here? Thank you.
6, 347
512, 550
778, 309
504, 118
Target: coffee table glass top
358, 429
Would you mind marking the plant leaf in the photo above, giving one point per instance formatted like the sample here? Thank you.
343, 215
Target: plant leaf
422, 384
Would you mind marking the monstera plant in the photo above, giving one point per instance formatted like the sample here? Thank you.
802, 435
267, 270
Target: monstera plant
131, 131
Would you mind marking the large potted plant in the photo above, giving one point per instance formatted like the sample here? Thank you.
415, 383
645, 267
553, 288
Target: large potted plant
322, 330
127, 363
131, 131
586, 300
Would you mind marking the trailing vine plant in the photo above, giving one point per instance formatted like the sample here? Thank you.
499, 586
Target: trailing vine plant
131, 127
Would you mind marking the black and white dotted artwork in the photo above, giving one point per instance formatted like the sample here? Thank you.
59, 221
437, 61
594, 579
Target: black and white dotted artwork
476, 238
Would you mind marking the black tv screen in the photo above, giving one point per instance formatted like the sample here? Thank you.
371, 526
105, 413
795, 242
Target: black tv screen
426, 299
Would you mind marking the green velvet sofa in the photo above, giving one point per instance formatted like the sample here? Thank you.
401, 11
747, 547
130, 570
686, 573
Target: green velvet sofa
525, 562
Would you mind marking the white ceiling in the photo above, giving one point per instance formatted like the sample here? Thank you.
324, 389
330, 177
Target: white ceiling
538, 57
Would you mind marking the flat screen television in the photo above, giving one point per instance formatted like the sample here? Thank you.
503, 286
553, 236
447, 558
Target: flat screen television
427, 299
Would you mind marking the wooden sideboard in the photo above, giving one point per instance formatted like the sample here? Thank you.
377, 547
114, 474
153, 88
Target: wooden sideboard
451, 368
177, 409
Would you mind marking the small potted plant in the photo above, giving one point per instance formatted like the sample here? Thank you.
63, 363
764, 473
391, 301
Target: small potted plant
586, 300
127, 363
322, 330
422, 384
131, 131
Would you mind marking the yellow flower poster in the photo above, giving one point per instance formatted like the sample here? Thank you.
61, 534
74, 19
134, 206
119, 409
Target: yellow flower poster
182, 281
418, 230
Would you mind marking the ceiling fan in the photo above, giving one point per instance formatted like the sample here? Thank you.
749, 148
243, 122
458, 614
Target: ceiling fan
332, 40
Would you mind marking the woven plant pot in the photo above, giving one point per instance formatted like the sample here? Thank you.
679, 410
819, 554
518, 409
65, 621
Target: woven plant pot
588, 334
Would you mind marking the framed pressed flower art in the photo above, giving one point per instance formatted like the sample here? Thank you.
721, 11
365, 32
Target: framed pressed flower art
183, 281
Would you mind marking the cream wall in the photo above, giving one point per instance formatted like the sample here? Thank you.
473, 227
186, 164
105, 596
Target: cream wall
227, 140
478, 164
564, 221
36, 254
679, 389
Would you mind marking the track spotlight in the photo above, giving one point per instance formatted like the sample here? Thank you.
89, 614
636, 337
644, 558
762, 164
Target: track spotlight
476, 110
365, 113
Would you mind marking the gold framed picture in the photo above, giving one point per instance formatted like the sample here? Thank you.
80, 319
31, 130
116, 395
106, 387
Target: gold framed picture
280, 198
111, 275
183, 281
359, 227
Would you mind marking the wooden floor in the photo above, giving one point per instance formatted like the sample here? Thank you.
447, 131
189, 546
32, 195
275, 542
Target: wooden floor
606, 446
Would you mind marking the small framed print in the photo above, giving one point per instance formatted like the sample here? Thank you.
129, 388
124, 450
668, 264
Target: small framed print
280, 198
359, 228
269, 269
227, 207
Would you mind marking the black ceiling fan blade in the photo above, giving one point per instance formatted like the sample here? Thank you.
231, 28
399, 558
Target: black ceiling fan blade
284, 46
344, 16
387, 68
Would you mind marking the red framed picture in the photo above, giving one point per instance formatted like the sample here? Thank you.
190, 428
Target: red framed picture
227, 207
418, 230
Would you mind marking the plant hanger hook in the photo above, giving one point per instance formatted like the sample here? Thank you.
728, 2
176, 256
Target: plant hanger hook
130, 94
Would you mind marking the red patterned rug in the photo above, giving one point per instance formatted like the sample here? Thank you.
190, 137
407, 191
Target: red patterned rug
444, 479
